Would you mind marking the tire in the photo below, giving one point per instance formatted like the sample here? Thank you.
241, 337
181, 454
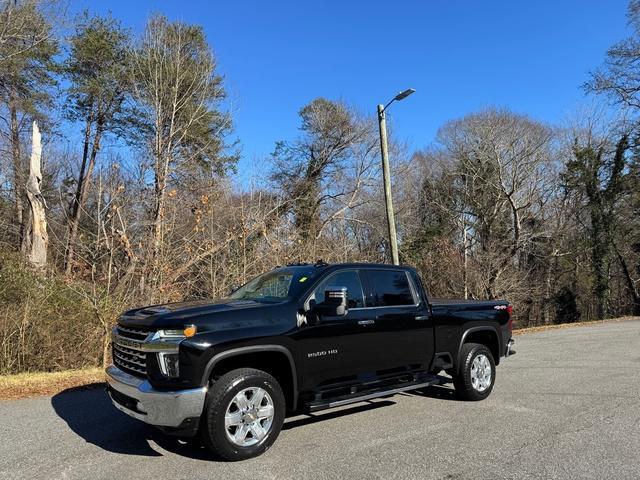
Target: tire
233, 425
477, 373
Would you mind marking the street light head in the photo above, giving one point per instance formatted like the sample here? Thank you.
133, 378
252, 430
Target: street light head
404, 94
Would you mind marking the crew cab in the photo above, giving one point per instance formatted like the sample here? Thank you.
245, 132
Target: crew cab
300, 338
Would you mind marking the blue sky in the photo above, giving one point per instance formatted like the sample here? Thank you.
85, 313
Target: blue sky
460, 56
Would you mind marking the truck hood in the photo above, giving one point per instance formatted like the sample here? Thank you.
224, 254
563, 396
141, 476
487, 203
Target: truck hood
176, 315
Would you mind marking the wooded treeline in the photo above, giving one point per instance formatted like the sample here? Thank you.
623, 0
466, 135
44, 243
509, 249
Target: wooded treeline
148, 206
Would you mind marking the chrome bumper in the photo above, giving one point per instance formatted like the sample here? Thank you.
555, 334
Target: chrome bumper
155, 407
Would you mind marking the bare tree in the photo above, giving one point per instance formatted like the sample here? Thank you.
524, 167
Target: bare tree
177, 93
619, 77
326, 168
503, 182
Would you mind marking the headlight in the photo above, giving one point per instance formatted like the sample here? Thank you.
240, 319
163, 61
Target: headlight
168, 341
187, 331
170, 333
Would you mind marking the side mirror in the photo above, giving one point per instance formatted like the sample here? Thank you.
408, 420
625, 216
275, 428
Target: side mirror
335, 302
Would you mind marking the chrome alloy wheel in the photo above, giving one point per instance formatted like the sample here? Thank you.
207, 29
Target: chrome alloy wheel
481, 373
249, 416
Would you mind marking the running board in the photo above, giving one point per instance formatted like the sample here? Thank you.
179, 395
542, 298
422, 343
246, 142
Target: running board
348, 399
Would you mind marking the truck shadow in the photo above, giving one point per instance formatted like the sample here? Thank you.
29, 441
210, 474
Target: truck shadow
88, 412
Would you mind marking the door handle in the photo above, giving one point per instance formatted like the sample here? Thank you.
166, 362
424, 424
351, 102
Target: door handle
422, 317
366, 322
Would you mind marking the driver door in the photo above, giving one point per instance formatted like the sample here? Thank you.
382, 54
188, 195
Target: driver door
336, 349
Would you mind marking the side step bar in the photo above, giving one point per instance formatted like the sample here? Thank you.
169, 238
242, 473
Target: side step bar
348, 399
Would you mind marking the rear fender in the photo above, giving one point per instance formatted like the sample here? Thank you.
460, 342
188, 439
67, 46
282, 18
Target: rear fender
496, 349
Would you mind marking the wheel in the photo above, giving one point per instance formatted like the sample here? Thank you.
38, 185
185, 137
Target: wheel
243, 414
476, 375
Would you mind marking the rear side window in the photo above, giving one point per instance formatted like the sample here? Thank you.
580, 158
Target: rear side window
389, 288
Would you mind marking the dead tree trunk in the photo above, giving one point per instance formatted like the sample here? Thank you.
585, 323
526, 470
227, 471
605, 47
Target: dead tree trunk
37, 254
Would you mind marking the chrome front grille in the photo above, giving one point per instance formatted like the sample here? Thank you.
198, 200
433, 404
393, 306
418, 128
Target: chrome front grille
130, 359
133, 333
127, 352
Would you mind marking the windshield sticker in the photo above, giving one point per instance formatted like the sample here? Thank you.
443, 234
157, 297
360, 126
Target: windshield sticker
303, 279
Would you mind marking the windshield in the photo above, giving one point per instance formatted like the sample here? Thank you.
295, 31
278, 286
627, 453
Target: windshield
275, 286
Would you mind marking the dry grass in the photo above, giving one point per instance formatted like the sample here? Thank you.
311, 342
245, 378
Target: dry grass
24, 385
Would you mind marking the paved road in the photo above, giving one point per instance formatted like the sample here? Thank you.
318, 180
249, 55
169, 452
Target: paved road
566, 406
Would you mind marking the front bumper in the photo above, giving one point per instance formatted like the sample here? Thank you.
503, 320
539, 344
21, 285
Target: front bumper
138, 399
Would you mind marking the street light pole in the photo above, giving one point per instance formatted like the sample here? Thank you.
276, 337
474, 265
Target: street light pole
386, 174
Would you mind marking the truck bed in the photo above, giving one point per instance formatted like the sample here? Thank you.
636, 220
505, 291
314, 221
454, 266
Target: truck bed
460, 303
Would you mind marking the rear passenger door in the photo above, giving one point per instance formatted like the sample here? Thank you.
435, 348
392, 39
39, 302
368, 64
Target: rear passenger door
401, 321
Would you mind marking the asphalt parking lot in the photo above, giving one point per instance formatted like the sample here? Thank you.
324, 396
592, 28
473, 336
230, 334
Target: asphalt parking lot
566, 406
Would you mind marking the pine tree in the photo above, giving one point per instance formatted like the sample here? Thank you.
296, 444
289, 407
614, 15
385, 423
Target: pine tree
96, 97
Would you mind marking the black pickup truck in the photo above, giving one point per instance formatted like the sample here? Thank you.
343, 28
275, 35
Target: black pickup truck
298, 339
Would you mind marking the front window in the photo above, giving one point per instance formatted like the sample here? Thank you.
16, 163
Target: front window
275, 286
347, 278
